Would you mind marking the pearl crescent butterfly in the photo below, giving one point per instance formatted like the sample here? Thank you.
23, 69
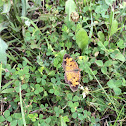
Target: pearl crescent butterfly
72, 72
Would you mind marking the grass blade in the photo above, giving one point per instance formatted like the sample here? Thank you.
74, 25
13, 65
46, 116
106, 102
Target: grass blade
22, 111
0, 75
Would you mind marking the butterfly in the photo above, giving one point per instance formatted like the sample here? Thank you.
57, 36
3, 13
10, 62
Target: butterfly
72, 72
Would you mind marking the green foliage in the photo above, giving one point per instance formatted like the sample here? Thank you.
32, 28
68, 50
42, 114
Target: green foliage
33, 117
82, 38
99, 62
6, 6
109, 2
101, 36
70, 7
3, 48
38, 34
63, 123
114, 27
115, 84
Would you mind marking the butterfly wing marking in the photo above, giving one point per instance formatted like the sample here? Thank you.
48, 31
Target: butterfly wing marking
73, 79
68, 63
72, 72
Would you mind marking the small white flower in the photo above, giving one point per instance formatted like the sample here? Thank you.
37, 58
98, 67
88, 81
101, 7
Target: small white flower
84, 95
85, 92
28, 23
81, 87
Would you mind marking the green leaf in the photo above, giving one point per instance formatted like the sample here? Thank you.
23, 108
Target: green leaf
52, 73
1, 3
73, 109
9, 118
56, 61
48, 120
7, 84
80, 116
82, 38
115, 84
9, 90
75, 98
108, 63
79, 110
118, 83
69, 96
37, 86
17, 116
23, 8
3, 25
24, 86
3, 48
40, 116
70, 7
101, 36
70, 103
76, 104
6, 7
57, 92
43, 82
106, 43
99, 62
111, 83
120, 57
109, 2
66, 119
74, 115
63, 123
14, 123
100, 44
104, 70
31, 116
56, 109
40, 89
117, 91
51, 91
33, 119
20, 122
2, 119
36, 92
101, 9
6, 113
123, 82
121, 44
42, 106
27, 61
117, 55
114, 27
53, 80
45, 94
68, 45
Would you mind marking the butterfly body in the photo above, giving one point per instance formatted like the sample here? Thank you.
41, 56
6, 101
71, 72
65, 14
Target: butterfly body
72, 72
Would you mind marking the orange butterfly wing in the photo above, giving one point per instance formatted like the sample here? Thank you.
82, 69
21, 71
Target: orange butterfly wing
72, 72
